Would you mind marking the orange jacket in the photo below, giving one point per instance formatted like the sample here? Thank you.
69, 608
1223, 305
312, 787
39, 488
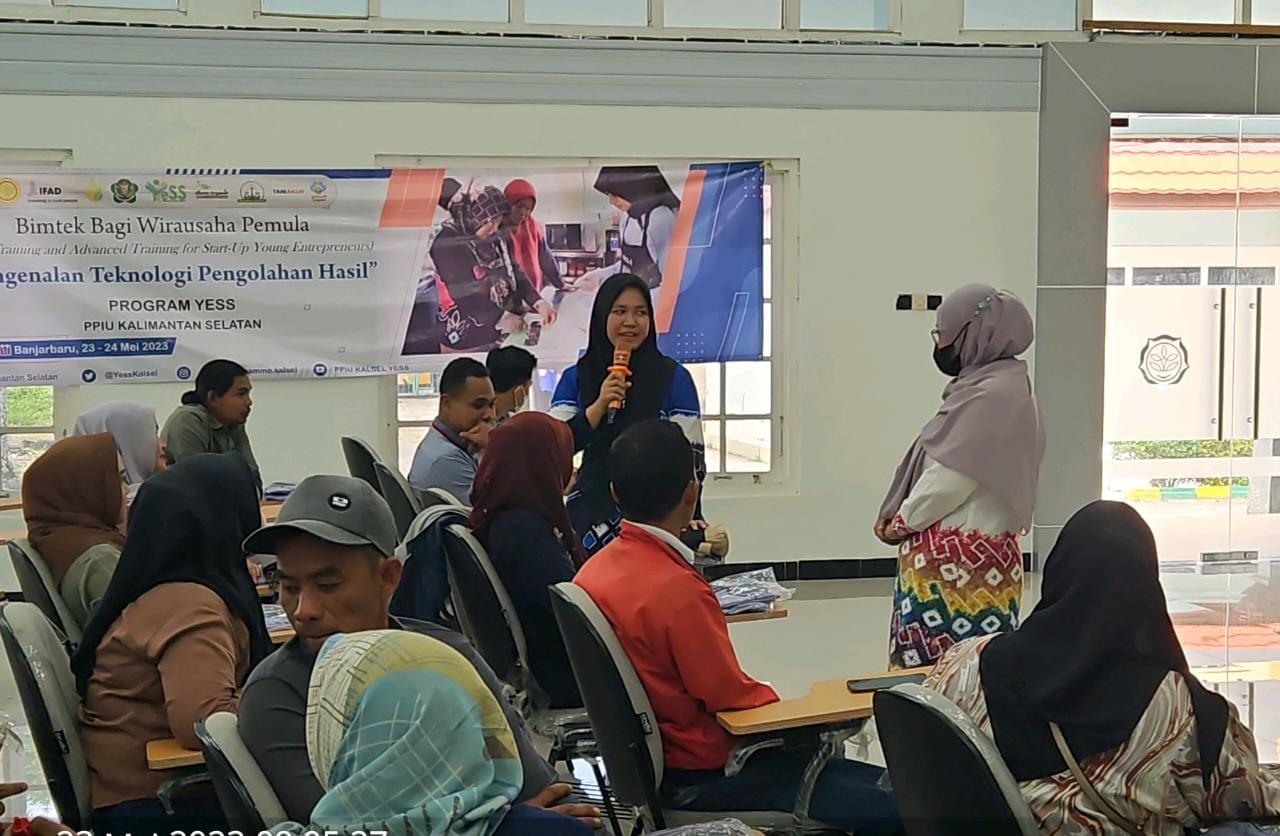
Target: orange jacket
671, 626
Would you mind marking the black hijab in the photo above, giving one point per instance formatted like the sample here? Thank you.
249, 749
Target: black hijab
1094, 651
651, 374
186, 524
643, 186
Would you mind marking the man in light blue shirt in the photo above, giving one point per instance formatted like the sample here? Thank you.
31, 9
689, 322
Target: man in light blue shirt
446, 458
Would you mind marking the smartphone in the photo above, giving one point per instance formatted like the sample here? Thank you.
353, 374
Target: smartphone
882, 683
535, 333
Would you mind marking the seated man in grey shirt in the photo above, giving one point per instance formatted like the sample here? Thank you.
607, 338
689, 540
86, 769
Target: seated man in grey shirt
334, 544
446, 457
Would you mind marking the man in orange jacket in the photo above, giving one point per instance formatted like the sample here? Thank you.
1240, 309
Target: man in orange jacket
673, 631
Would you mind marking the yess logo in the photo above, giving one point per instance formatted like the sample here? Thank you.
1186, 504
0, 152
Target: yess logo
162, 192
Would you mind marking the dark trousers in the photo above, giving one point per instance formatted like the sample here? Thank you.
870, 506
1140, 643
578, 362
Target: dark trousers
846, 795
523, 820
147, 816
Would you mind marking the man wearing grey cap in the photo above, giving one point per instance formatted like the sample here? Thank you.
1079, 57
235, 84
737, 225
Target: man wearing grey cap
334, 543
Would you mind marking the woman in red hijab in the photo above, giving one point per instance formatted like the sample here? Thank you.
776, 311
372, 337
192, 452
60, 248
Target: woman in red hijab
528, 243
520, 517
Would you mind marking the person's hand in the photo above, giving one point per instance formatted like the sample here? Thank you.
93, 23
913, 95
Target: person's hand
884, 535
614, 388
478, 436
43, 827
10, 790
547, 313
548, 800
698, 525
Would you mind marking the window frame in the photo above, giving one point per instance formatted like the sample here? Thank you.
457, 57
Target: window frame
783, 176
51, 158
518, 24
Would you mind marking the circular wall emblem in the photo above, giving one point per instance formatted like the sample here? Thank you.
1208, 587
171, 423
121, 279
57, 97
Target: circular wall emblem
9, 190
1163, 361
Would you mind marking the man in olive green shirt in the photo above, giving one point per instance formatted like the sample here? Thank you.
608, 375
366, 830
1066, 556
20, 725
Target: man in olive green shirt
213, 422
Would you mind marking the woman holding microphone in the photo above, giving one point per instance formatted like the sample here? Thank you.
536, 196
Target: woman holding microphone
657, 387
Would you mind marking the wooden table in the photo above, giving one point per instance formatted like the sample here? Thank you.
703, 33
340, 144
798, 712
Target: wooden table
10, 503
774, 612
169, 754
827, 703
280, 635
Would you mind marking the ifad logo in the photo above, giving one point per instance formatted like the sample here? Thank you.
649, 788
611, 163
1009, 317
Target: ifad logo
184, 372
320, 369
88, 375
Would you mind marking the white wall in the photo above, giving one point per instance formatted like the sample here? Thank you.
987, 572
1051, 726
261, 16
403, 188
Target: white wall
887, 202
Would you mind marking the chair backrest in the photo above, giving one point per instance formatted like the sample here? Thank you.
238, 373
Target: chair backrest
246, 796
622, 720
37, 585
361, 457
484, 608
948, 776
37, 656
439, 496
404, 502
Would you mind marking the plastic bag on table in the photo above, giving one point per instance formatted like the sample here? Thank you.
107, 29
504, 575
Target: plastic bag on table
750, 592
728, 827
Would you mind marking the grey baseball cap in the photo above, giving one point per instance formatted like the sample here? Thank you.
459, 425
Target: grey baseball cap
337, 509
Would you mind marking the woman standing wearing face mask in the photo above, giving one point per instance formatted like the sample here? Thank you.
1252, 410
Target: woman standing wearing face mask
965, 491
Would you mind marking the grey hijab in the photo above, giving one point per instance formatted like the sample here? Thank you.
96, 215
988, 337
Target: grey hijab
989, 425
134, 428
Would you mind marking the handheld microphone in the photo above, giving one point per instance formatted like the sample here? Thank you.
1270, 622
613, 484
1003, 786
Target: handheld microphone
621, 365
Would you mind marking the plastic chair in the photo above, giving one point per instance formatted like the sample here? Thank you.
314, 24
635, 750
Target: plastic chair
41, 668
948, 776
361, 458
485, 610
246, 796
404, 502
626, 729
439, 496
37, 585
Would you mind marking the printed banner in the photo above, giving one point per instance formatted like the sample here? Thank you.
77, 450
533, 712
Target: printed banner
119, 276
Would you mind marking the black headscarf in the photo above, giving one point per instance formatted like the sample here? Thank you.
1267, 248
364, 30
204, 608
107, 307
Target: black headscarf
1093, 653
651, 374
186, 525
643, 186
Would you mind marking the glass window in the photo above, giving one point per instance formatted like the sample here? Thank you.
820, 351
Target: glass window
588, 12
748, 388
706, 377
723, 14
1172, 11
169, 5
317, 8
409, 439
1266, 12
748, 446
844, 14
711, 439
26, 431
1021, 15
488, 11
